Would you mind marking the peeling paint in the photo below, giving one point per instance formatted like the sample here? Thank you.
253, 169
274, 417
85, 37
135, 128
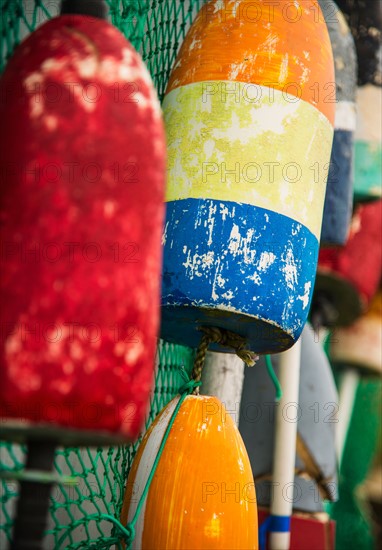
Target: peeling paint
266, 260
234, 240
306, 296
290, 270
284, 69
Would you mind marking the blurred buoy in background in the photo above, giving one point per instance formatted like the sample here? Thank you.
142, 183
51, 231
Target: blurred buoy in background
360, 344
339, 189
354, 527
365, 21
244, 211
369, 496
316, 417
368, 145
348, 278
356, 352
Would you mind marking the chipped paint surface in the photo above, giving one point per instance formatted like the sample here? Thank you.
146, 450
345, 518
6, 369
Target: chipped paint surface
284, 69
241, 135
306, 295
84, 80
259, 262
49, 352
228, 44
250, 152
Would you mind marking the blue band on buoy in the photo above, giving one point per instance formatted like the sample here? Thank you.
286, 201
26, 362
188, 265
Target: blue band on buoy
273, 524
222, 257
339, 191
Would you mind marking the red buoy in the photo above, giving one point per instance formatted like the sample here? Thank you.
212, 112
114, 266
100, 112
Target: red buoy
81, 222
348, 278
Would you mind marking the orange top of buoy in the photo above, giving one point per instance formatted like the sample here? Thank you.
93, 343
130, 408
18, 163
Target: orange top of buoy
285, 46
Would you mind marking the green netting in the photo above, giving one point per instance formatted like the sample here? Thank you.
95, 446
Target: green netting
100, 473
156, 28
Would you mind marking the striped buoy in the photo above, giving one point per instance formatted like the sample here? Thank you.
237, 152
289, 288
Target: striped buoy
244, 210
81, 223
365, 20
368, 144
359, 345
355, 353
354, 529
202, 494
339, 190
313, 531
348, 278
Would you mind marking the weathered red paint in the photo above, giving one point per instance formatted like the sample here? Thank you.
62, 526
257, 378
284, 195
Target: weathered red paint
358, 263
83, 170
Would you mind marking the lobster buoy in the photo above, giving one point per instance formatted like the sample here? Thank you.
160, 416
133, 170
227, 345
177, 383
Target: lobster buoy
365, 20
244, 211
355, 353
368, 144
359, 345
315, 414
354, 527
339, 190
313, 531
202, 494
348, 278
81, 223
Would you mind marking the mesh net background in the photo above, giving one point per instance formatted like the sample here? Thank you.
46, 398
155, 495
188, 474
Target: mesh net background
156, 28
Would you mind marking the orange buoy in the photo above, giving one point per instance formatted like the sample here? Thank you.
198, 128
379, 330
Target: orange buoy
202, 495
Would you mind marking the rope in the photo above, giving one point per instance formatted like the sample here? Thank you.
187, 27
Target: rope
214, 335
312, 469
272, 374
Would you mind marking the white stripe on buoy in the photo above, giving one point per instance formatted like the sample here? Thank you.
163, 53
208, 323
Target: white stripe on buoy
347, 391
346, 116
145, 465
369, 104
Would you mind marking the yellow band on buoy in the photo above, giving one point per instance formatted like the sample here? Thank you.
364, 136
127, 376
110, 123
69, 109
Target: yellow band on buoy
224, 134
